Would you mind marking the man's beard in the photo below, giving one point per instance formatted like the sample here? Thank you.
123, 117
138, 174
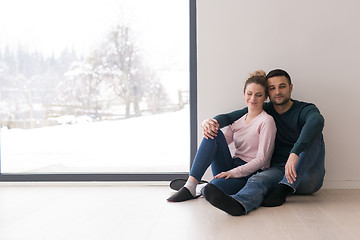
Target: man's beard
281, 103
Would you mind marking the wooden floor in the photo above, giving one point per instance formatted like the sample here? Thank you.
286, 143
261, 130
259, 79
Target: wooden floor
140, 211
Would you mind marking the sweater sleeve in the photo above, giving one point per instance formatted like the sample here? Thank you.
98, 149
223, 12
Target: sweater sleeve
313, 124
264, 153
230, 118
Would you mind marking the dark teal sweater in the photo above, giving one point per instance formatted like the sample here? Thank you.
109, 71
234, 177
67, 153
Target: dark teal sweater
296, 129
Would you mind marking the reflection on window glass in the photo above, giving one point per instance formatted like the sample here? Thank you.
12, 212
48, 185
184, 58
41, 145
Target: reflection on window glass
94, 86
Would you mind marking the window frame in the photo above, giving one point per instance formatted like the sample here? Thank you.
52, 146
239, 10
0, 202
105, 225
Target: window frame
79, 177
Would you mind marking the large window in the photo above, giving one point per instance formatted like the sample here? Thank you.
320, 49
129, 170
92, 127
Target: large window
96, 87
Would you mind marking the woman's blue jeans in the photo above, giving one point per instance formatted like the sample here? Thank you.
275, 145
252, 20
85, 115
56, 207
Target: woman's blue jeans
215, 152
310, 171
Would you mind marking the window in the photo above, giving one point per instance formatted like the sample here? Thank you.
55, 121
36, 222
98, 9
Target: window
97, 90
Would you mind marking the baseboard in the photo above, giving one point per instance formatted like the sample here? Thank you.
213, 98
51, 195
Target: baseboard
341, 184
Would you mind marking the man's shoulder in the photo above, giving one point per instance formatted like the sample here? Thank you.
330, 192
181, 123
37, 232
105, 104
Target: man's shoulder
301, 105
307, 110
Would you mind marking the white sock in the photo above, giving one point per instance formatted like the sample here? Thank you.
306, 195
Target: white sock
191, 186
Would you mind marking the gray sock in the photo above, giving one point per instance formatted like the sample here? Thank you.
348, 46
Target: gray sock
191, 186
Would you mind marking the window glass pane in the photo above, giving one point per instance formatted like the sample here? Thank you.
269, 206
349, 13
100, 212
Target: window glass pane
94, 86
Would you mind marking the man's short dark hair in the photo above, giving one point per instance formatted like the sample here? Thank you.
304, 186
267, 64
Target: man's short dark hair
278, 72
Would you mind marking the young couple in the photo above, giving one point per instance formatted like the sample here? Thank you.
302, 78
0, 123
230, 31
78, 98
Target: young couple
279, 150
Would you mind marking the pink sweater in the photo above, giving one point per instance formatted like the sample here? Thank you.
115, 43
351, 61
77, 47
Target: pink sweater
254, 143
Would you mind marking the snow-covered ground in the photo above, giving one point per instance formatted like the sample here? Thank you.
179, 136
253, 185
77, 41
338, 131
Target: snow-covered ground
157, 143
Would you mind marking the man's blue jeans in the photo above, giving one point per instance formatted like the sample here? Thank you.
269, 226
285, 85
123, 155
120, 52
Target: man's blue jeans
310, 171
215, 152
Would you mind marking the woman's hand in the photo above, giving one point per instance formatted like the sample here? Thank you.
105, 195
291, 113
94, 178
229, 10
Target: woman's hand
210, 128
225, 175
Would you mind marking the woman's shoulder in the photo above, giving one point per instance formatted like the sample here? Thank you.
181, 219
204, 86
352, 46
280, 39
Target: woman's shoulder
266, 116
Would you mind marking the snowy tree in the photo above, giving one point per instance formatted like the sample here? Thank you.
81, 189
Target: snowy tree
123, 67
81, 87
115, 65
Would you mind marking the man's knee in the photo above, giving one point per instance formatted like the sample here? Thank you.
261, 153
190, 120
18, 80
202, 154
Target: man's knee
310, 185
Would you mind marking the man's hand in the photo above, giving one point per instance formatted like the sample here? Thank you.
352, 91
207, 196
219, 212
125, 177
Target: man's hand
225, 175
290, 172
210, 128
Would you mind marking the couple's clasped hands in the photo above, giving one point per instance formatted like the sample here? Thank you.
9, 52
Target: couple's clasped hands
210, 128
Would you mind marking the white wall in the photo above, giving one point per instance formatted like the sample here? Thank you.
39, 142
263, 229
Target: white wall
316, 41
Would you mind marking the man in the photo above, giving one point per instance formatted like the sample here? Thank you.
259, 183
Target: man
297, 164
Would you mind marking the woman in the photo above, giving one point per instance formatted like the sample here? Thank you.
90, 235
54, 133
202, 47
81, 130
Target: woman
253, 135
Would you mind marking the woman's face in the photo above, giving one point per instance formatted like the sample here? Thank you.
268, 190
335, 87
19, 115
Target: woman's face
254, 96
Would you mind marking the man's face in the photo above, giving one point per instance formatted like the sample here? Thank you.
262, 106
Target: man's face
279, 90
